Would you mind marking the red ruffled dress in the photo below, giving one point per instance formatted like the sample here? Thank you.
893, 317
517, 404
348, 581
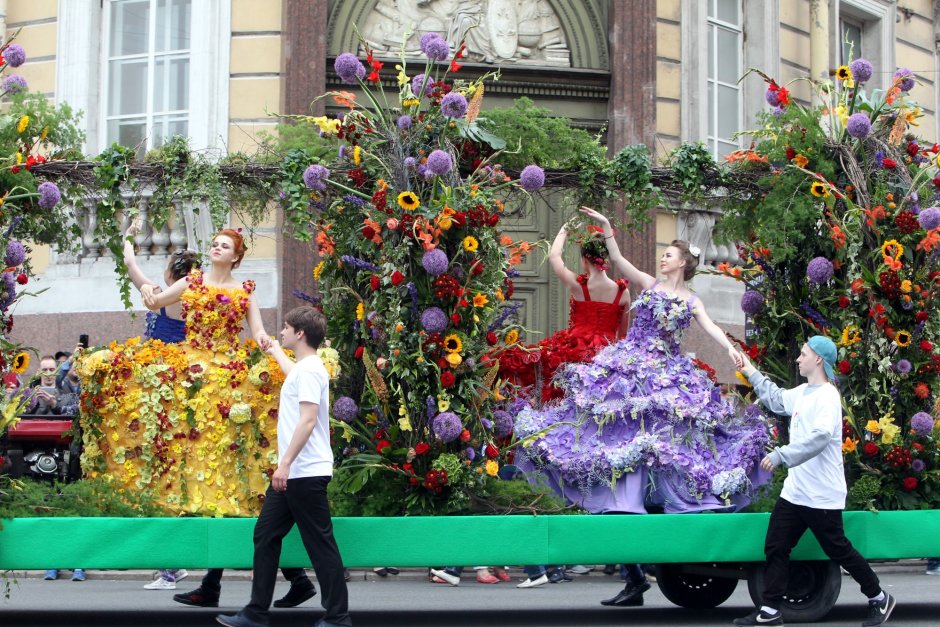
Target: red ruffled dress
592, 325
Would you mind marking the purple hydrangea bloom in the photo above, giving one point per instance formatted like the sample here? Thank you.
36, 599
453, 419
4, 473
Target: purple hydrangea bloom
14, 55
752, 303
918, 465
435, 47
434, 320
439, 162
345, 409
907, 79
503, 422
410, 162
861, 70
435, 262
819, 270
532, 178
14, 84
454, 105
315, 177
404, 122
929, 218
349, 68
447, 426
49, 195
922, 423
422, 84
772, 97
903, 366
858, 125
16, 254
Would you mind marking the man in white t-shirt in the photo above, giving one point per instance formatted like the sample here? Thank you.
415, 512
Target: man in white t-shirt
298, 486
813, 495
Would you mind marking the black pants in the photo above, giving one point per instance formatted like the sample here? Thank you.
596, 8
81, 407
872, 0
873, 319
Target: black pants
212, 581
304, 503
788, 522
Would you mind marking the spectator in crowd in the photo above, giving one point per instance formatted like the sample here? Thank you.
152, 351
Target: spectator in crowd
47, 395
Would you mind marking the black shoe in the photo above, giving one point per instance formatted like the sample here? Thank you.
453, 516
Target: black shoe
610, 569
558, 575
631, 596
296, 595
879, 613
760, 617
237, 620
198, 598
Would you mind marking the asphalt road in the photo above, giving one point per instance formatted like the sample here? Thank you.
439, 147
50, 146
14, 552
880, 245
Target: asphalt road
107, 600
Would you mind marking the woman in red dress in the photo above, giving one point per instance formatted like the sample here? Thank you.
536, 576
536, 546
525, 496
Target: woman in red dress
599, 315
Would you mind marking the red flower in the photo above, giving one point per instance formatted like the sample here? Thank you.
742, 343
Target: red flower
455, 319
491, 451
844, 302
922, 390
397, 278
889, 164
465, 435
491, 338
374, 282
422, 447
448, 379
924, 345
476, 267
909, 483
22, 279
382, 445
368, 232
871, 449
920, 316
936, 181
790, 153
845, 367
358, 353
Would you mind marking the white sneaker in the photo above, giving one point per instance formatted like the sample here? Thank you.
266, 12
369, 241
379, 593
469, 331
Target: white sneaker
160, 584
453, 580
579, 569
181, 574
533, 583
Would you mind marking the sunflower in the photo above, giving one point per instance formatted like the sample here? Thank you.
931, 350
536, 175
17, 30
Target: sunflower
819, 190
452, 343
408, 201
360, 311
318, 270
470, 244
893, 249
902, 338
844, 73
480, 300
512, 337
21, 363
850, 335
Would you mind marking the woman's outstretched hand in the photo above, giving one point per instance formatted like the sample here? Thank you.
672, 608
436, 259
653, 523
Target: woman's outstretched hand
134, 228
736, 357
595, 215
148, 296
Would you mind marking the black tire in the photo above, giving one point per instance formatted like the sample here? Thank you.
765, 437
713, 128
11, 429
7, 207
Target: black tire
693, 591
812, 591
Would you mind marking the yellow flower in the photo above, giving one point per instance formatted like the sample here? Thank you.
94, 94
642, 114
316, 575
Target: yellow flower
902, 338
912, 116
499, 295
402, 77
23, 124
45, 132
410, 102
850, 335
318, 270
742, 378
480, 300
19, 158
360, 311
453, 344
404, 423
800, 161
844, 73
357, 155
843, 114
512, 337
819, 190
21, 363
454, 359
873, 426
327, 126
470, 244
443, 405
892, 248
906, 286
848, 446
408, 201
492, 467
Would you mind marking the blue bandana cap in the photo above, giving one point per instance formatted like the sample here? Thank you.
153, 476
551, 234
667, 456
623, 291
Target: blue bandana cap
825, 348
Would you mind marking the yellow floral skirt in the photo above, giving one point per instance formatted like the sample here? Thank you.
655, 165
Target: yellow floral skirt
193, 429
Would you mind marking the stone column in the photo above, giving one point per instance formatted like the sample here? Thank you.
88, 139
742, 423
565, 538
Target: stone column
303, 78
631, 110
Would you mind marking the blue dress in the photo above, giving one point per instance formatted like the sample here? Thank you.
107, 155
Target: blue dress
164, 328
640, 423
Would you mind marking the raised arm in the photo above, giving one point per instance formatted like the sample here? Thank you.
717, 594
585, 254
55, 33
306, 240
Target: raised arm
154, 301
709, 326
627, 269
557, 262
138, 278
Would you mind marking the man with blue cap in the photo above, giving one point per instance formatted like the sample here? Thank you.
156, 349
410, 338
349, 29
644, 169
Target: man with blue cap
814, 491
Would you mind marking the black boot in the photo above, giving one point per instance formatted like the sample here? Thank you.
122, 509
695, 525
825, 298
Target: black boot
630, 596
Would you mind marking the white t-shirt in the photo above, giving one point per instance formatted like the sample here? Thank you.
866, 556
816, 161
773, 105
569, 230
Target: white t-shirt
307, 382
820, 480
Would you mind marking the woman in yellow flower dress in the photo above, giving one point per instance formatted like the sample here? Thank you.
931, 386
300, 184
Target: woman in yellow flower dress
191, 424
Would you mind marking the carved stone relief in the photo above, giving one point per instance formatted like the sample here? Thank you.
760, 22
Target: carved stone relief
496, 31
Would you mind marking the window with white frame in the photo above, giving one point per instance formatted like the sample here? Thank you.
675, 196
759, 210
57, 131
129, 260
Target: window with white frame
850, 36
148, 71
725, 57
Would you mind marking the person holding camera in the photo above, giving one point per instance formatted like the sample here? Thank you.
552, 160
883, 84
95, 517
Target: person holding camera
47, 395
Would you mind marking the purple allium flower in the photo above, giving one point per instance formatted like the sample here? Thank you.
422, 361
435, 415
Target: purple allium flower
434, 320
349, 68
345, 409
922, 423
404, 122
879, 158
16, 254
422, 170
929, 218
903, 366
861, 70
435, 47
7, 281
918, 465
14, 84
503, 422
410, 162
776, 112
772, 97
907, 79
14, 55
447, 426
532, 178
49, 195
435, 262
819, 270
422, 85
858, 125
454, 105
487, 423
315, 175
752, 302
471, 454
439, 162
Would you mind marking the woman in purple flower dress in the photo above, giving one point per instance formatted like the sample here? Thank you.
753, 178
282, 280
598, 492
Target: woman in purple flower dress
640, 422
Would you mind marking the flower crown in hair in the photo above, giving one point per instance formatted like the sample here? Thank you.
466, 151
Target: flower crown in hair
695, 250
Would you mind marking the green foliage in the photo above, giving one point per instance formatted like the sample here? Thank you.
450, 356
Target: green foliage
689, 162
85, 498
299, 136
112, 174
300, 212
